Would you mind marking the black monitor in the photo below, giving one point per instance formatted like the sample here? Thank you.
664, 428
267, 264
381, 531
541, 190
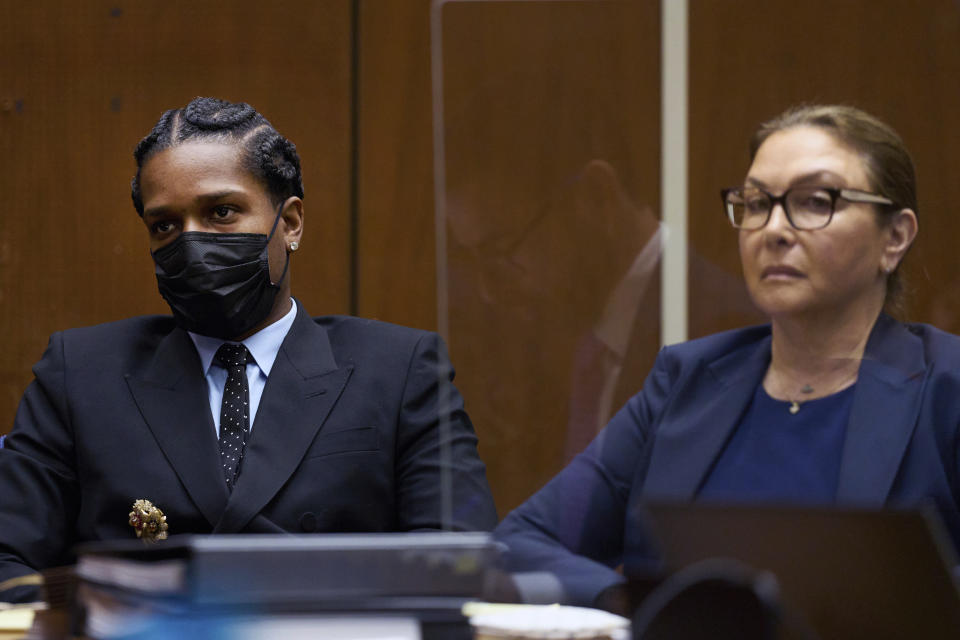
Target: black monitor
840, 572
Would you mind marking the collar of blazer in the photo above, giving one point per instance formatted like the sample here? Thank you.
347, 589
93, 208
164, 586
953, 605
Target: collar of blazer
303, 386
709, 400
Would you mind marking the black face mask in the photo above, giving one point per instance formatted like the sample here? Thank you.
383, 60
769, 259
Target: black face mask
218, 284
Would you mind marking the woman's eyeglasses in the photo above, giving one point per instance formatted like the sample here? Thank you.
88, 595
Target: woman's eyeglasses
807, 207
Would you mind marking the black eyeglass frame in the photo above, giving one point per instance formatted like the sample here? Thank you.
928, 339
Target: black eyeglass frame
850, 195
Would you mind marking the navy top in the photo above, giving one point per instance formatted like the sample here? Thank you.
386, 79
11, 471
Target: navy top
776, 456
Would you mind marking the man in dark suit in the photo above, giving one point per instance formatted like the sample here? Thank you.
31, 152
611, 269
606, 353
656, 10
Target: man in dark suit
240, 413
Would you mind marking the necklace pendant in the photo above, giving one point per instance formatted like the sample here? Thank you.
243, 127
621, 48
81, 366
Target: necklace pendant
794, 406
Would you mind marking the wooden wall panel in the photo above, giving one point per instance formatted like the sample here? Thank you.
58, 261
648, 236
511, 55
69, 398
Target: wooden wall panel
82, 82
535, 91
750, 60
551, 132
396, 275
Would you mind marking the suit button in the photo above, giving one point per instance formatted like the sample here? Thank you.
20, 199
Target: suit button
308, 522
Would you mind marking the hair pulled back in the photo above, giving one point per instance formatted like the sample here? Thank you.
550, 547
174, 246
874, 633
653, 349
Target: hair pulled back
887, 163
265, 153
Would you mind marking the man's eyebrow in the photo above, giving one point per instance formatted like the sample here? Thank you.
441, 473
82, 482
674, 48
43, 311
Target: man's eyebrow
218, 195
154, 212
203, 198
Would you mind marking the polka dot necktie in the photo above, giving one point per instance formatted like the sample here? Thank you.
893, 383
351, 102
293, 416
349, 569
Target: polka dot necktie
234, 410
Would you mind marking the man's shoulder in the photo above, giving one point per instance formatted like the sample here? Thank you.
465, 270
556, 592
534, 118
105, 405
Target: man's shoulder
379, 348
121, 341
135, 328
349, 329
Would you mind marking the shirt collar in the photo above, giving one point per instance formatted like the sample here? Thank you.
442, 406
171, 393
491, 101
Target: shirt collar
263, 345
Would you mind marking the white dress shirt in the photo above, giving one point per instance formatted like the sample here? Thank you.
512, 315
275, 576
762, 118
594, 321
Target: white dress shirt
263, 346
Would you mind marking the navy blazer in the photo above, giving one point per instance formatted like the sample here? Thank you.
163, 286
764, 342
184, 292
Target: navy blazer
359, 429
901, 448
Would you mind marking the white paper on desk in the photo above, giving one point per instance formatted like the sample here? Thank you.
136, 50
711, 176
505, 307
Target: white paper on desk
15, 618
297, 627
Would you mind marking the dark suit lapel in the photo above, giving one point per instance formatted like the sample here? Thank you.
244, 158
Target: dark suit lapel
700, 419
172, 399
302, 388
886, 404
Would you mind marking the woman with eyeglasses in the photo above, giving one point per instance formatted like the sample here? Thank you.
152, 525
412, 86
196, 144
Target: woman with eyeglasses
832, 402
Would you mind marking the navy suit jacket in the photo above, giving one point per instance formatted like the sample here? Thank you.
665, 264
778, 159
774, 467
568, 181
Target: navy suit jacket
359, 429
901, 448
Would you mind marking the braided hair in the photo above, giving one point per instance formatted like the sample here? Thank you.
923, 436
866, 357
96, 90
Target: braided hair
266, 154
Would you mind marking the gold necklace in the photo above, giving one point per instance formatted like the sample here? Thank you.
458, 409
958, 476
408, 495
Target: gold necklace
807, 389
795, 404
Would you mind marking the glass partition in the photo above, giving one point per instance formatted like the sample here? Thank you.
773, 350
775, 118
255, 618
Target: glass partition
547, 139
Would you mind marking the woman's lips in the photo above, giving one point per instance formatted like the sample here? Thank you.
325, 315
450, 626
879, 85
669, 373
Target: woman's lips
781, 271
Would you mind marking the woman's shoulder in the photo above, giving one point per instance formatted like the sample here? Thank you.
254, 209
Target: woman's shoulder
939, 346
912, 347
719, 344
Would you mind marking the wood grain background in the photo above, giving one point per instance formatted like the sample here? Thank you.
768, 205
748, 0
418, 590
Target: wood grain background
533, 92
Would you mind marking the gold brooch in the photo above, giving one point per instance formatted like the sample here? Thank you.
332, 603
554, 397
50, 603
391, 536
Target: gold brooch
148, 521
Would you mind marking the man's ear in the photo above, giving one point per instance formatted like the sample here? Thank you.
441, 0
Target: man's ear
292, 217
901, 232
